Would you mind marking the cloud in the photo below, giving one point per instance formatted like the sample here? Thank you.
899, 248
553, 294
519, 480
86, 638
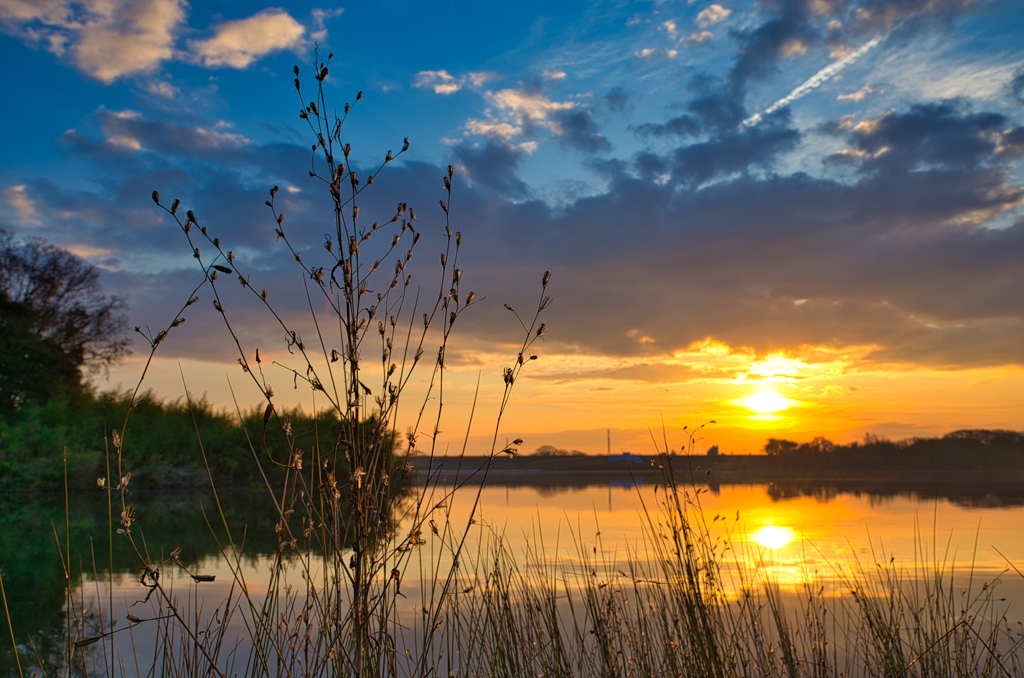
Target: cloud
712, 15
320, 17
734, 152
130, 132
161, 89
789, 33
681, 126
912, 257
493, 128
493, 167
616, 99
579, 130
700, 38
815, 81
19, 201
114, 39
884, 15
441, 82
1011, 143
518, 110
239, 43
939, 136
1017, 85
857, 96
107, 40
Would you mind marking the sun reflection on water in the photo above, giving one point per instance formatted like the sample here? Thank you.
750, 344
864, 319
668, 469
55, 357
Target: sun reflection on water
773, 536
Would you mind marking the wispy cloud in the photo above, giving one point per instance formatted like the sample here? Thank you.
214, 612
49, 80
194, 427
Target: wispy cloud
19, 200
443, 82
812, 83
859, 95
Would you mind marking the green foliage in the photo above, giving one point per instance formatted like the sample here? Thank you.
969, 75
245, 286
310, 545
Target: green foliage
33, 368
161, 448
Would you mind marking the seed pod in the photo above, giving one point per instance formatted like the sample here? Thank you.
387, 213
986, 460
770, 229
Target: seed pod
222, 269
174, 206
156, 197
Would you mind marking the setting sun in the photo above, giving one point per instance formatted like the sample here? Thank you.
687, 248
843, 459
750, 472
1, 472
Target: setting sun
766, 403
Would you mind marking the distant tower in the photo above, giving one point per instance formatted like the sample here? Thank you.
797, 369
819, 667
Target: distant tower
609, 442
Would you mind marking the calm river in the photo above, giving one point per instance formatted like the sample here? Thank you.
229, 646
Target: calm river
787, 536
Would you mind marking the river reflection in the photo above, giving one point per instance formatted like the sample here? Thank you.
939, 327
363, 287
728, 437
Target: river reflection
790, 538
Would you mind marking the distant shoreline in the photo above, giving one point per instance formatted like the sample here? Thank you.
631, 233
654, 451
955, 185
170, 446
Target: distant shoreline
968, 484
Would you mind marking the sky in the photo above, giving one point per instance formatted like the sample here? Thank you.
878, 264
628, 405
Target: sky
793, 218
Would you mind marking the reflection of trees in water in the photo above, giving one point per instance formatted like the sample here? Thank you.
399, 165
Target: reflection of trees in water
31, 563
977, 494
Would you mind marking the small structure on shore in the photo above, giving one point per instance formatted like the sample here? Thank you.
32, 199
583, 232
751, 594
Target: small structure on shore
627, 457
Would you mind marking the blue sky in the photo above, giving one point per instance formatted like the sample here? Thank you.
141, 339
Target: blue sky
814, 197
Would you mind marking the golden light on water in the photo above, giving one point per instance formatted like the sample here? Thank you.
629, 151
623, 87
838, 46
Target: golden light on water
773, 536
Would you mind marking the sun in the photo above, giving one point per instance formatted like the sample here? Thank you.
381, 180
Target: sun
766, 403
773, 536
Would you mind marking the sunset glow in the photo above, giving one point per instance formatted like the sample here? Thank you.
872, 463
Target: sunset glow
766, 403
741, 227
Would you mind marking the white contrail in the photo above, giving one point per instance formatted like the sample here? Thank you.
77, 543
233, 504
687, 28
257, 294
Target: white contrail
813, 82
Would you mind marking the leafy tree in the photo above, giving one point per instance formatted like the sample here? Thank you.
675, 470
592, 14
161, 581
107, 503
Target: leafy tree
54, 322
779, 448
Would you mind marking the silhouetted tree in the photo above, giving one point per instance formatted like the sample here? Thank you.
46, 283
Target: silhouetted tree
54, 321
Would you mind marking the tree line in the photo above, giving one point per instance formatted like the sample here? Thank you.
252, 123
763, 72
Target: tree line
974, 448
58, 329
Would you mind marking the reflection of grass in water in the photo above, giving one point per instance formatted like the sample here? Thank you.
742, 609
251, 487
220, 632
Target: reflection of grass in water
685, 605
31, 565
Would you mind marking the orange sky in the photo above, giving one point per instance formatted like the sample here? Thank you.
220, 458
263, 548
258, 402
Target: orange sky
571, 400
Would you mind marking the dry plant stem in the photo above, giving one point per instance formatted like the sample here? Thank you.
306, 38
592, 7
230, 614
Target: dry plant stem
10, 627
350, 503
